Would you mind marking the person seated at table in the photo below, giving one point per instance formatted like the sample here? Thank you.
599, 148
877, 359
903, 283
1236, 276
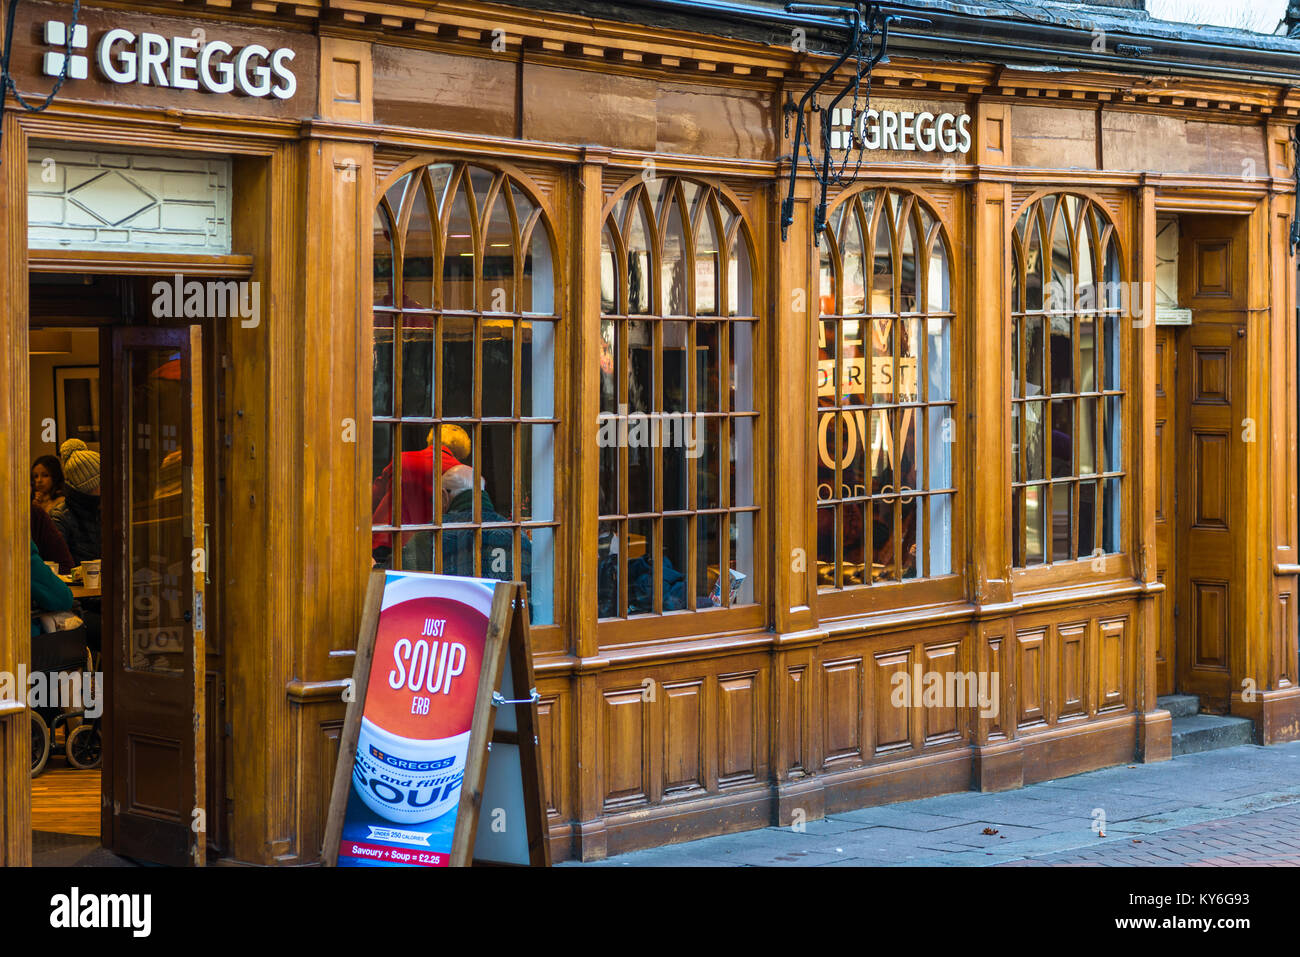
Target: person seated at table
49, 542
48, 486
49, 594
496, 553
80, 522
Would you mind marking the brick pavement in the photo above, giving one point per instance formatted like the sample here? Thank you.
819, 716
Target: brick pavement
1215, 808
1267, 838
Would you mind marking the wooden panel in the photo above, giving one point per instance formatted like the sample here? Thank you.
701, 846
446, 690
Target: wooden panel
553, 746
154, 784
795, 707
1209, 624
1071, 671
625, 766
1172, 144
440, 91
644, 114
842, 709
941, 723
1210, 495
1112, 684
1212, 269
737, 729
997, 668
1031, 677
893, 725
345, 80
1053, 138
1284, 631
683, 705
1211, 377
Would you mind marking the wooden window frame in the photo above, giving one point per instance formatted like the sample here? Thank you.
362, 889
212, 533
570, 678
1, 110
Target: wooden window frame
841, 600
511, 188
1103, 238
733, 222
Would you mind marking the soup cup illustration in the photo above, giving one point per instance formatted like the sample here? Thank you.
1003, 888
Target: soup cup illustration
419, 706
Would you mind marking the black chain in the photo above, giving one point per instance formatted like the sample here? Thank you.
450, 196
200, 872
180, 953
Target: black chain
7, 84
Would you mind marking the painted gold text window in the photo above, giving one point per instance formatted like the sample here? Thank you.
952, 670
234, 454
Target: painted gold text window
1067, 399
885, 400
678, 419
464, 380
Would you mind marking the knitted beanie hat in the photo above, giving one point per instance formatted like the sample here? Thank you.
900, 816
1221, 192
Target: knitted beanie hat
80, 466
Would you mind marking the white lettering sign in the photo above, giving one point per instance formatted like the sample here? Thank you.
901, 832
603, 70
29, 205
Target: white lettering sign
181, 63
906, 131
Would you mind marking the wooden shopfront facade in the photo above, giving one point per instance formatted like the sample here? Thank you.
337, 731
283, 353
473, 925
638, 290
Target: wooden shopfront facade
563, 237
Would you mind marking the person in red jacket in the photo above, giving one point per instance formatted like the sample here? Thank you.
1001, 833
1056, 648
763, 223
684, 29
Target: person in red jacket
419, 485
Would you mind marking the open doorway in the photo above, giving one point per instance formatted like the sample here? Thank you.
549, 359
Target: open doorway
1200, 413
123, 411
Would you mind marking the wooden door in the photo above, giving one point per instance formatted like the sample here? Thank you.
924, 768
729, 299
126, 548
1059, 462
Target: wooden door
155, 650
1210, 604
1166, 502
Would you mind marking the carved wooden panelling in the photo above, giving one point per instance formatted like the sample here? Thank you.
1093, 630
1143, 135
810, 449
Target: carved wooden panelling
893, 723
1210, 452
1071, 671
1210, 623
683, 704
942, 722
1161, 390
1161, 451
551, 746
843, 709
1032, 676
795, 704
1212, 258
1211, 377
737, 728
1112, 686
624, 721
1282, 643
997, 665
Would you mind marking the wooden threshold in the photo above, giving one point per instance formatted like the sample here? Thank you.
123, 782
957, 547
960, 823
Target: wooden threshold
111, 262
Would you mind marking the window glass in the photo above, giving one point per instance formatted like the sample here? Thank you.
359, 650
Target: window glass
886, 426
678, 424
1067, 403
464, 403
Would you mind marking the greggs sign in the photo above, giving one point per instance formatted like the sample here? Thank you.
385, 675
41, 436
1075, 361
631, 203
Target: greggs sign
178, 62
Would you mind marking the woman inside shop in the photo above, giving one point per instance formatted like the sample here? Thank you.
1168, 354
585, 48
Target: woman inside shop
48, 485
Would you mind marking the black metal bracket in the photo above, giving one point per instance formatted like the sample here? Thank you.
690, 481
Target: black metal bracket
1295, 214
861, 22
7, 84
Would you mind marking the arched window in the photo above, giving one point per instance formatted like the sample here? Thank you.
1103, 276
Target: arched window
464, 379
678, 416
1067, 395
886, 429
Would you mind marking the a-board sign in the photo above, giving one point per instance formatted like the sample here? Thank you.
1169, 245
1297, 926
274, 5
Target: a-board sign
438, 760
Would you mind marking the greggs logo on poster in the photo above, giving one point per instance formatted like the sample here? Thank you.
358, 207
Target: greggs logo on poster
182, 63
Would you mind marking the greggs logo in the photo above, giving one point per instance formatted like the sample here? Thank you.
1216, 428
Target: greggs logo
182, 63
404, 765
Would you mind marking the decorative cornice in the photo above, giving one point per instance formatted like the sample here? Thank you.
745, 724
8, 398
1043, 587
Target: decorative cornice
491, 30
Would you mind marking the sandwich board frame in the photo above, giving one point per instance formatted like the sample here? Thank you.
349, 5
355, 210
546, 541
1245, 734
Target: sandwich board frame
507, 783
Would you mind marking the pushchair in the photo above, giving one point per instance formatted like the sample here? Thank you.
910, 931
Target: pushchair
54, 654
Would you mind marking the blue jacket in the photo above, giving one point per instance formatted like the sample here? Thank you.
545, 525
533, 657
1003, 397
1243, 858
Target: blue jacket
49, 593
